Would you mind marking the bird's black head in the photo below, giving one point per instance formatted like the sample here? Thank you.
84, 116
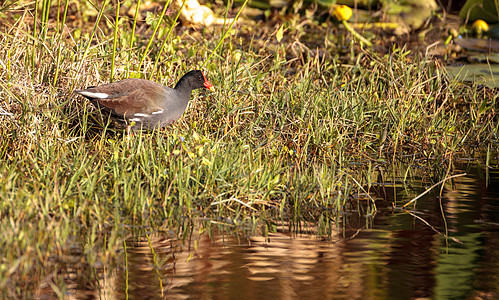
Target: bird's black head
195, 80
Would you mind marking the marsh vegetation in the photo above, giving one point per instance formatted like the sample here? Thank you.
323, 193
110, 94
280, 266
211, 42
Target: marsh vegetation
297, 130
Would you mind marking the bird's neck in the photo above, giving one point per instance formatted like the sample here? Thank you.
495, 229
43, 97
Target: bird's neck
182, 86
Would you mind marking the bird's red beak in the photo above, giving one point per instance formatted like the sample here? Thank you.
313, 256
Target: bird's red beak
207, 84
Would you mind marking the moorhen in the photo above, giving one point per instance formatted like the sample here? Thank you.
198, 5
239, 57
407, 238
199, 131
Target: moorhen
146, 104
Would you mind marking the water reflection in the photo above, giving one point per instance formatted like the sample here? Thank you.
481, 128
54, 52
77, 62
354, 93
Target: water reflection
277, 266
392, 256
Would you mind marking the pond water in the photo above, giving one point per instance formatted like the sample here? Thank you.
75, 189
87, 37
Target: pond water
394, 254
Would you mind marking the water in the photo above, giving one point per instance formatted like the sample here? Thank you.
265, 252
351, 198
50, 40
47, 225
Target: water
392, 255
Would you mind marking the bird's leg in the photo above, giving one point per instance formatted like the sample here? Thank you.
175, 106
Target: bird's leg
128, 129
128, 135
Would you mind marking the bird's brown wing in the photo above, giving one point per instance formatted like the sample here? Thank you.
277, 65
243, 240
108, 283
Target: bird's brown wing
138, 101
128, 97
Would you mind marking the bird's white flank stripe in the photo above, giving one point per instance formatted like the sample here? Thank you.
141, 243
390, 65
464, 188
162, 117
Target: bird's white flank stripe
94, 95
157, 112
135, 120
139, 115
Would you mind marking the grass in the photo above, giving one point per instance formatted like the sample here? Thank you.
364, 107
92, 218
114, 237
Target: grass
290, 134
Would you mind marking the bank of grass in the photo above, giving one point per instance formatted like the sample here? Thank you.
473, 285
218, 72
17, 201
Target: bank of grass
286, 135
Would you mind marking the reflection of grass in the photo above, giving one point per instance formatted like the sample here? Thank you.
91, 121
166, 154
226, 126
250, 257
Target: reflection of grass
280, 138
